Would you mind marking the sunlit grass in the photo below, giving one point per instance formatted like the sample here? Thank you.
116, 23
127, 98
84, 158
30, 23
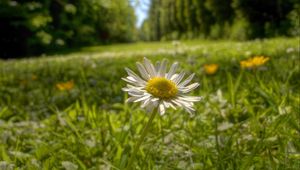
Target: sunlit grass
247, 119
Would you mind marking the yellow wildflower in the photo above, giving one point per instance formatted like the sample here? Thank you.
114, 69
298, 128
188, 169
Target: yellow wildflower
254, 62
65, 86
259, 60
34, 77
23, 82
246, 64
211, 68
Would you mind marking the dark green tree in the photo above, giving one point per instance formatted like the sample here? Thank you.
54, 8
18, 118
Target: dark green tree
267, 18
239, 19
31, 27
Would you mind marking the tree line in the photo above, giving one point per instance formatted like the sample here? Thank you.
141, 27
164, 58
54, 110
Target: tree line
32, 27
234, 19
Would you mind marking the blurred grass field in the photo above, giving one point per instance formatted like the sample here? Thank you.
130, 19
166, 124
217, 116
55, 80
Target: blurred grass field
248, 119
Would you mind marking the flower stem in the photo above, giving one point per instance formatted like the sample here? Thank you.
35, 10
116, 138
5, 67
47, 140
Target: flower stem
138, 144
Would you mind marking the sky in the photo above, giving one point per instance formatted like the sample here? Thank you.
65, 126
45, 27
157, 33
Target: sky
141, 7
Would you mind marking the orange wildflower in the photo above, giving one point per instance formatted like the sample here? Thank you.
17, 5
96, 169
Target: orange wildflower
246, 64
65, 86
211, 68
259, 60
254, 62
34, 77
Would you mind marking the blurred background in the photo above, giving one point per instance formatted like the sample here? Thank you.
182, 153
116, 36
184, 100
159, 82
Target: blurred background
35, 27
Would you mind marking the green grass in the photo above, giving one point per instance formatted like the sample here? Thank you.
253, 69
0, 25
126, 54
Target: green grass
248, 119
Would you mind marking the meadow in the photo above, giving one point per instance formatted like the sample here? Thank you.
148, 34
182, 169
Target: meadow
68, 111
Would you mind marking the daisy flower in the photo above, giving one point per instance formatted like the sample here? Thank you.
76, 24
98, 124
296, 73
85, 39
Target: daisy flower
157, 88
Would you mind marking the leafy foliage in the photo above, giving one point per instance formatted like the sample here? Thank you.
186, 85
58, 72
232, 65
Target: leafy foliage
35, 27
235, 19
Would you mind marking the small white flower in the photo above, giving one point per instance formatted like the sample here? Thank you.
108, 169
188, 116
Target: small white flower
248, 53
176, 43
69, 165
157, 88
290, 50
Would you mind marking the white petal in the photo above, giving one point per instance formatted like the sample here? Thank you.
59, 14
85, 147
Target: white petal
172, 70
128, 81
189, 88
176, 103
145, 103
162, 69
135, 76
190, 110
149, 67
143, 71
129, 87
183, 103
155, 99
186, 81
172, 105
131, 99
138, 81
157, 65
136, 94
186, 106
131, 78
151, 106
166, 104
126, 89
173, 76
142, 98
190, 98
161, 109
177, 79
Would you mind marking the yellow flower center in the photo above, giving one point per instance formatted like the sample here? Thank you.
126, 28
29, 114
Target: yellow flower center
162, 88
